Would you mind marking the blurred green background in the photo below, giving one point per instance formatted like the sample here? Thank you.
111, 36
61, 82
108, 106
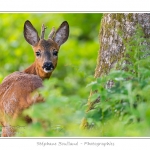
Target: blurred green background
65, 92
78, 53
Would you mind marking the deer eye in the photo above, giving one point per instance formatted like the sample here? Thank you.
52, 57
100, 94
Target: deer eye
55, 53
38, 54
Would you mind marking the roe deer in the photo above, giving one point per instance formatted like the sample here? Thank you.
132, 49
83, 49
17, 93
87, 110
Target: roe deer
16, 88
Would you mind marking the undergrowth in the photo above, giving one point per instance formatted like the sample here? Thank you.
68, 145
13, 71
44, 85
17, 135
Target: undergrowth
123, 110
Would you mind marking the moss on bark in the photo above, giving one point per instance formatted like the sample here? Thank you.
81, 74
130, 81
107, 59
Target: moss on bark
111, 42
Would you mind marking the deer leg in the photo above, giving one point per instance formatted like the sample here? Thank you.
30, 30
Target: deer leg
7, 130
8, 127
35, 97
27, 119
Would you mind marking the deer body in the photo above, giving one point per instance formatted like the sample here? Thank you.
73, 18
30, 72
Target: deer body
16, 89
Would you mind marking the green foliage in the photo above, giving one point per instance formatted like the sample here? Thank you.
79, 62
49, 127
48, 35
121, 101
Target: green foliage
65, 91
78, 53
124, 108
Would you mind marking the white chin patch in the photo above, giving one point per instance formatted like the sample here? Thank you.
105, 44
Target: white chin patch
48, 71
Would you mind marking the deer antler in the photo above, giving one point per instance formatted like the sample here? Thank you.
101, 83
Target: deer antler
51, 33
43, 31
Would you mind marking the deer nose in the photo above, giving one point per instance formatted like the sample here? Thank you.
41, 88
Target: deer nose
48, 66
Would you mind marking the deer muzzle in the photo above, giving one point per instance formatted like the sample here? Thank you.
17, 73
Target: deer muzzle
48, 67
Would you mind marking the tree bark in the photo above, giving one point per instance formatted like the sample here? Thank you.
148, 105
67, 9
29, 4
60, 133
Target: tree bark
111, 43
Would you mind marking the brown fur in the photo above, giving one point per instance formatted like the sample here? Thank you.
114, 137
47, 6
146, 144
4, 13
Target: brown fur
36, 68
13, 102
17, 88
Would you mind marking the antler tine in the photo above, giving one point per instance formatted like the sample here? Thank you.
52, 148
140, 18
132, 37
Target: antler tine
51, 33
43, 31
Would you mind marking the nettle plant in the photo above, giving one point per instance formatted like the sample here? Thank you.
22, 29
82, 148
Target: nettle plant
128, 99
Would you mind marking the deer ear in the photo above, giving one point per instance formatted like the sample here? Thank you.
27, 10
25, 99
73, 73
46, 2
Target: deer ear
62, 33
30, 33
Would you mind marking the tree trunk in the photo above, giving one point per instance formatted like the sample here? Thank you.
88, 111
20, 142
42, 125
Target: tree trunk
111, 43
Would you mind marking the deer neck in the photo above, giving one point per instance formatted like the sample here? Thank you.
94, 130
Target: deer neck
33, 69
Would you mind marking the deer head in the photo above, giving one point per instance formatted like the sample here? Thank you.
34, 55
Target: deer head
46, 51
